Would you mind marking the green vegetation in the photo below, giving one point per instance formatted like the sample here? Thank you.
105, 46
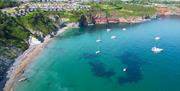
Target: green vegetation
71, 16
165, 1
12, 33
13, 41
15, 31
177, 5
136, 10
123, 9
37, 21
7, 3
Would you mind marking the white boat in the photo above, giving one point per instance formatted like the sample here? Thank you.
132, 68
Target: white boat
108, 30
124, 29
148, 19
156, 50
90, 24
97, 52
22, 79
98, 40
124, 69
113, 37
157, 38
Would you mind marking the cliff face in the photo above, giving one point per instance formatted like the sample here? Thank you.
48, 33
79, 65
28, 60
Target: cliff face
15, 32
7, 58
13, 41
166, 11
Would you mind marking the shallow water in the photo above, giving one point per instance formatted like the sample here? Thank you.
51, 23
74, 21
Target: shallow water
69, 62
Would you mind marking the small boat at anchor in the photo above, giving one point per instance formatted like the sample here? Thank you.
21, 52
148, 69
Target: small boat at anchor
98, 40
125, 69
124, 29
113, 37
108, 30
157, 38
156, 49
98, 51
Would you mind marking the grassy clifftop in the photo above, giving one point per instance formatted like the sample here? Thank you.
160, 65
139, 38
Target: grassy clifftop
12, 31
14, 34
38, 21
124, 9
18, 29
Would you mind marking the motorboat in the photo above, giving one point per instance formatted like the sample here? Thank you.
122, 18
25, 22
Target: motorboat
147, 19
156, 49
113, 37
98, 40
108, 30
124, 69
124, 29
157, 38
90, 24
98, 51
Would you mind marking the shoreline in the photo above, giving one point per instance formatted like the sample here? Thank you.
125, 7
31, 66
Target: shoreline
20, 64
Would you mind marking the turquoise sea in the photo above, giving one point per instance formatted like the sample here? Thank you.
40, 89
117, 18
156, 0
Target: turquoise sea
69, 62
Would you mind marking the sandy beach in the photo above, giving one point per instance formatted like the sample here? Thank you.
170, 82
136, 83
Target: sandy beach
27, 57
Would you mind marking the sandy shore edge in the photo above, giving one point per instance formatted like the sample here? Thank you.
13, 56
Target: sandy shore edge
27, 57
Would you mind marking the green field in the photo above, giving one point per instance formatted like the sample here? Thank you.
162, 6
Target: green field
124, 10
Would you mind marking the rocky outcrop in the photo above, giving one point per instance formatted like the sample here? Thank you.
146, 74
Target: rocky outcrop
131, 19
167, 11
83, 21
102, 19
6, 60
